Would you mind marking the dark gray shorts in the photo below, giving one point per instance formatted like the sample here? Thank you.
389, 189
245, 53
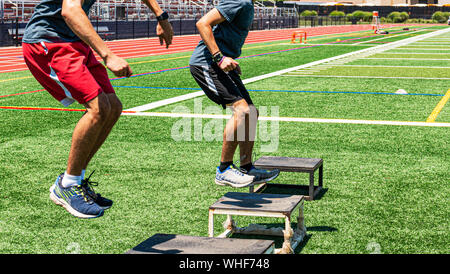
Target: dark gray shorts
222, 88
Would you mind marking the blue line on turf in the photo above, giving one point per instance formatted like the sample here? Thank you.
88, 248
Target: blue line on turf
295, 91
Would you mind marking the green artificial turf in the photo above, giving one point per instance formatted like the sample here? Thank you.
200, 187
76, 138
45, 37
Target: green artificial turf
383, 185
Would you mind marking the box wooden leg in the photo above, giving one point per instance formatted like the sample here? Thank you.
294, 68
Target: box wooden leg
211, 224
321, 175
229, 227
311, 186
288, 235
301, 219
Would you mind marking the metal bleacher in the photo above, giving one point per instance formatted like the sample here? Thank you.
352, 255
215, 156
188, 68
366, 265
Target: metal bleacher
106, 10
130, 19
12, 9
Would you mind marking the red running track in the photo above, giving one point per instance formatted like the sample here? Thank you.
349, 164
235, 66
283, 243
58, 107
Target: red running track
11, 58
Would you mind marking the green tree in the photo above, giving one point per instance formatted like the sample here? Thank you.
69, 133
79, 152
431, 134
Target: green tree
308, 13
337, 13
439, 17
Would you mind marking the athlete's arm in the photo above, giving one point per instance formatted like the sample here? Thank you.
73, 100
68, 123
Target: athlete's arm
204, 26
79, 23
164, 28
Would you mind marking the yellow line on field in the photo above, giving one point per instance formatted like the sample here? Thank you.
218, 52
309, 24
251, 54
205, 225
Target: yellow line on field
438, 107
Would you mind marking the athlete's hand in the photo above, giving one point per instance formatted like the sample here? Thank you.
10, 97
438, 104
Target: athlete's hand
229, 64
165, 32
118, 66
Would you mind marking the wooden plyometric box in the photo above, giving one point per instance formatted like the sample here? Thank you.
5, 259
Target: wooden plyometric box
292, 164
261, 205
181, 244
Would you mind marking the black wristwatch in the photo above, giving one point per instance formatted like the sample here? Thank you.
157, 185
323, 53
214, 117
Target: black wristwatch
217, 57
163, 16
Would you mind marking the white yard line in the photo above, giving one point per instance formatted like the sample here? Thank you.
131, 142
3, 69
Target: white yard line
415, 53
381, 66
427, 43
404, 59
291, 119
424, 46
386, 37
167, 101
359, 76
443, 49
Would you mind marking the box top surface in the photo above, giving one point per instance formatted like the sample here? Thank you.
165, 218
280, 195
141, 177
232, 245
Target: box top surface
180, 244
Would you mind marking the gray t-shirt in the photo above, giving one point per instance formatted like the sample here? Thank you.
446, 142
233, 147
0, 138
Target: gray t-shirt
47, 24
230, 35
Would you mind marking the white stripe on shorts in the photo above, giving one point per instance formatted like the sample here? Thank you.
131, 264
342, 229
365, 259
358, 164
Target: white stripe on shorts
69, 99
209, 80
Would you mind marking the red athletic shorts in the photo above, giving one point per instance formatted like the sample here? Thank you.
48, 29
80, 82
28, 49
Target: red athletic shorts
68, 71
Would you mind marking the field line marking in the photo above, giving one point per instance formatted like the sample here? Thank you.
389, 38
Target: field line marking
40, 108
386, 37
385, 66
412, 49
438, 108
283, 71
375, 49
290, 119
423, 53
49, 108
370, 77
403, 58
18, 78
169, 101
261, 118
26, 92
297, 91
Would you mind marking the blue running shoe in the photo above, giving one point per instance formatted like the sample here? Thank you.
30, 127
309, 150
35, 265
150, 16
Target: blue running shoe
87, 185
75, 200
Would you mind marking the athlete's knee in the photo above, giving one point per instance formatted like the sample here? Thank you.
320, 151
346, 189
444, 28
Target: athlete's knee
99, 108
116, 106
241, 109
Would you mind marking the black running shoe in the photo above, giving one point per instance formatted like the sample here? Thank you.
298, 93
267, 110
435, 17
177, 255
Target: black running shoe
261, 175
87, 185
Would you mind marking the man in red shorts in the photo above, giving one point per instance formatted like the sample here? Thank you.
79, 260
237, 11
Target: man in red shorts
57, 49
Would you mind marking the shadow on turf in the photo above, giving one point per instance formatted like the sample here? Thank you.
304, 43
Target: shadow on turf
279, 240
293, 190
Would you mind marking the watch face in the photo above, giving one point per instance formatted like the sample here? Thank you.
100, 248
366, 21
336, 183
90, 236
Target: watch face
217, 57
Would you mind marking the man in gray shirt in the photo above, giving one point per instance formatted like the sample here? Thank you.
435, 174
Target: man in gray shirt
223, 31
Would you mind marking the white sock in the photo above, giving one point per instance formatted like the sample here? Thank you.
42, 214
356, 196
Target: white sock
70, 180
